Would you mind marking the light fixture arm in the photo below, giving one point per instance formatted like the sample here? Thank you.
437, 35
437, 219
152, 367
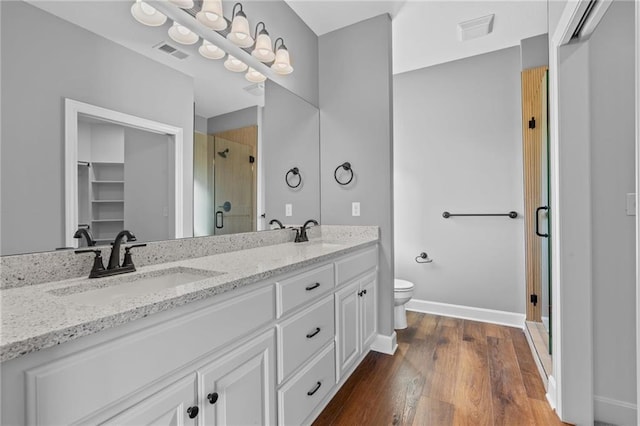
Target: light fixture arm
275, 45
264, 30
233, 11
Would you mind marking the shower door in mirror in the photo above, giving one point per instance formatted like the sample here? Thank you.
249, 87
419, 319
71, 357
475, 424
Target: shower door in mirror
225, 182
543, 225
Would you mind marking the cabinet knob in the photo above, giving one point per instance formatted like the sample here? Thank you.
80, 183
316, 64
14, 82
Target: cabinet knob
212, 397
360, 293
364, 291
193, 412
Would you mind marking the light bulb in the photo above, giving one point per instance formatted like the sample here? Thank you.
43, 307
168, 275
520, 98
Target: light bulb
210, 50
211, 15
183, 35
147, 15
254, 76
234, 64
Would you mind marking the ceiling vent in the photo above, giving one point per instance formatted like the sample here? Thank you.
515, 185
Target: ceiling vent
475, 28
170, 50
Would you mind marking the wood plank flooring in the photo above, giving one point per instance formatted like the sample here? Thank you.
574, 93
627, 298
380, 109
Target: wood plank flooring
446, 371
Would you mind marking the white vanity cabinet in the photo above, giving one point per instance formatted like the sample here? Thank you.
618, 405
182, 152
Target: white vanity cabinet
175, 405
272, 352
356, 318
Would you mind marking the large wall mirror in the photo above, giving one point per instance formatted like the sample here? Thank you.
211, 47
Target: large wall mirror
108, 125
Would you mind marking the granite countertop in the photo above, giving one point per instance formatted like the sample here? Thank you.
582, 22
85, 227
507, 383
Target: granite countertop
39, 316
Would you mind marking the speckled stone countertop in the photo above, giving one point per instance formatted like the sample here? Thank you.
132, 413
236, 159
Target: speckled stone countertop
39, 316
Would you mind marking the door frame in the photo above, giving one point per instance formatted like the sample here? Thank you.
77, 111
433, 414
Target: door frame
570, 389
73, 110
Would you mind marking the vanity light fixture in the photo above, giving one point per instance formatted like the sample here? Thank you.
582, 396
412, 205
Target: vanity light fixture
183, 35
211, 15
240, 35
234, 64
282, 64
255, 76
147, 15
210, 50
184, 4
263, 50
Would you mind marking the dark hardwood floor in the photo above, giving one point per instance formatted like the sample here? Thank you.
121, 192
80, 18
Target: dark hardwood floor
446, 371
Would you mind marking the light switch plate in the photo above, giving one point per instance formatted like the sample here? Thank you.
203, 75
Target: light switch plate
631, 204
288, 210
355, 208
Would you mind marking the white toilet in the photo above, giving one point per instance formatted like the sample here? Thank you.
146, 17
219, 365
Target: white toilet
402, 293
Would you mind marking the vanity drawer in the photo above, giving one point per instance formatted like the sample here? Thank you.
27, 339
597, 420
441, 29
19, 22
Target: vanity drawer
105, 374
302, 335
353, 266
299, 398
295, 291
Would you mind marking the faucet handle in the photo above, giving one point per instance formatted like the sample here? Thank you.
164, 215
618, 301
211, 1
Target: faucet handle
128, 261
98, 266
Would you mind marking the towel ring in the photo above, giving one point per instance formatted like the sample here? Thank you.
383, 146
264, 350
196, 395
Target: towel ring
347, 167
423, 258
295, 172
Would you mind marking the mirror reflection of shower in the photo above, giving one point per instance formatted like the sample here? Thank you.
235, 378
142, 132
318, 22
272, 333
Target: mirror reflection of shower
224, 153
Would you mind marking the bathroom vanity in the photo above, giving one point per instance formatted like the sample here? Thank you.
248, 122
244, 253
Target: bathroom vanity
265, 335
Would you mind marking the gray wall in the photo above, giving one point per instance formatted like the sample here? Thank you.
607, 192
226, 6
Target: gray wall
534, 51
291, 138
356, 95
200, 125
302, 43
458, 148
611, 74
73, 63
233, 120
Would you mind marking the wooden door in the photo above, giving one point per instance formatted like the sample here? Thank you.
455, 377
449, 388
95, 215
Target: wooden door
172, 406
347, 327
239, 389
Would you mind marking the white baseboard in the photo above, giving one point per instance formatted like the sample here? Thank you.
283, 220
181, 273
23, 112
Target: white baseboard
613, 411
385, 344
510, 319
552, 392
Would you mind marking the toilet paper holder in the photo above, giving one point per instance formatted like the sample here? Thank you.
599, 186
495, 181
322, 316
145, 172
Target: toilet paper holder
423, 258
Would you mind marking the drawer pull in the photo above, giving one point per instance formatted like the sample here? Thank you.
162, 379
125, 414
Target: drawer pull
192, 412
212, 397
310, 335
315, 389
312, 286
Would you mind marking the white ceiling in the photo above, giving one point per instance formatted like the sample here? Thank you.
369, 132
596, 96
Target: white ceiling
324, 16
425, 32
216, 90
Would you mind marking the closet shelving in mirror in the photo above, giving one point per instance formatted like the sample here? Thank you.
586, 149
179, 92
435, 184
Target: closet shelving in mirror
206, 20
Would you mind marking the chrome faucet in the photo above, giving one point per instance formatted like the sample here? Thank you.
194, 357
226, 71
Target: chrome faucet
114, 259
84, 232
301, 234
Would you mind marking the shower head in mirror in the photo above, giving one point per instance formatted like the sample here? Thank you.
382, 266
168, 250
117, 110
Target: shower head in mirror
224, 153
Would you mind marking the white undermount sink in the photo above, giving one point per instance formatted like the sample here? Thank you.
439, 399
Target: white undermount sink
103, 291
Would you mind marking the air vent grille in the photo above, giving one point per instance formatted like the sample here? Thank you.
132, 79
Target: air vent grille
170, 50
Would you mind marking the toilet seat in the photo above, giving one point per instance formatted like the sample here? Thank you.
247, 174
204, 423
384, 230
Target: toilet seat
402, 285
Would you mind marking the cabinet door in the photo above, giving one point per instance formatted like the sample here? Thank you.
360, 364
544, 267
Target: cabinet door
239, 388
175, 405
348, 327
368, 308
